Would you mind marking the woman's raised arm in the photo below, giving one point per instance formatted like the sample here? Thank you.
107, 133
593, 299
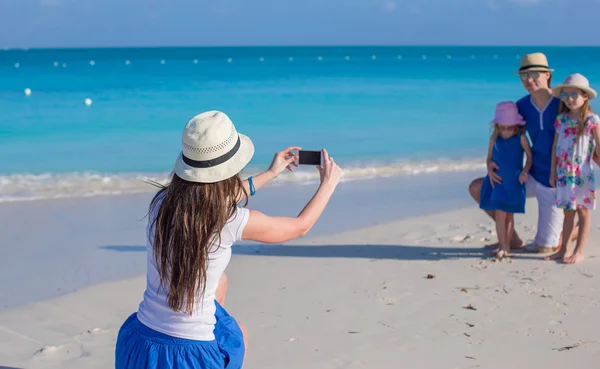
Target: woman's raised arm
268, 229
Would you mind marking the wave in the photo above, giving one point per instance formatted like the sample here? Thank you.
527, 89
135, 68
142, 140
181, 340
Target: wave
27, 187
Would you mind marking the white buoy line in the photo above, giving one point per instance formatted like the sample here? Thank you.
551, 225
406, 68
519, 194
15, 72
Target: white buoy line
262, 59
87, 101
291, 58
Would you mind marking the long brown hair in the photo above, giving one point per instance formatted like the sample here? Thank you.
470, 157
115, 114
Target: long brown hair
186, 224
585, 111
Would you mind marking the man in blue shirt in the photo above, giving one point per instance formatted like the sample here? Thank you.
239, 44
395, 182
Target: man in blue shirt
539, 109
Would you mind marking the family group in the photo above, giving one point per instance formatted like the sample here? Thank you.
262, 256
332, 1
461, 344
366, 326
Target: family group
543, 145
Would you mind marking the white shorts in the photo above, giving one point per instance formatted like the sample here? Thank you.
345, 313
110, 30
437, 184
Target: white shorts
550, 218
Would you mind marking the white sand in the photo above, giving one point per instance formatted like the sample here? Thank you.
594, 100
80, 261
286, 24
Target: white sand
359, 299
77, 242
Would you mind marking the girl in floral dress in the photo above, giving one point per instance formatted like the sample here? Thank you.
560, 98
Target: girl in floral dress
577, 137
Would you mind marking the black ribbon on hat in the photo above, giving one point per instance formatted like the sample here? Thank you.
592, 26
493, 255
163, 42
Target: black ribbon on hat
213, 162
533, 66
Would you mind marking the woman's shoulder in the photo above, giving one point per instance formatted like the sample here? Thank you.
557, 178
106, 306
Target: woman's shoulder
155, 205
236, 223
241, 214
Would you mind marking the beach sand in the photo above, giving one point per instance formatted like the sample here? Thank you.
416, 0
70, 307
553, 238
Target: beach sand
359, 298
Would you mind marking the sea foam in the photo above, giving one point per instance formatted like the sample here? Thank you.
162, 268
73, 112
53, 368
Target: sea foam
26, 187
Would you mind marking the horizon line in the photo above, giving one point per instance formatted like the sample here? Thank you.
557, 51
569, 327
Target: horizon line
297, 46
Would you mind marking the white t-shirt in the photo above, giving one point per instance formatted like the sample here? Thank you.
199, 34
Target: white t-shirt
154, 310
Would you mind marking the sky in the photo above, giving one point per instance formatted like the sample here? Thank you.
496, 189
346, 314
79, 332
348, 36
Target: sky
125, 23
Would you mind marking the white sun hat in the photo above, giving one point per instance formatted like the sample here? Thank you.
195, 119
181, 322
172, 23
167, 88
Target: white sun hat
575, 80
212, 149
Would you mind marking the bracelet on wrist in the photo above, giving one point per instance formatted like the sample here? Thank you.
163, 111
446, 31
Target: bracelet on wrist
252, 188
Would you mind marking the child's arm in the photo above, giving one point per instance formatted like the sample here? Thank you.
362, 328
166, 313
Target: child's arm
596, 134
553, 165
529, 162
594, 122
491, 166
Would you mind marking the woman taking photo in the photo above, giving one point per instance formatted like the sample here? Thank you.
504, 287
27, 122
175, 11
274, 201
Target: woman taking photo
193, 222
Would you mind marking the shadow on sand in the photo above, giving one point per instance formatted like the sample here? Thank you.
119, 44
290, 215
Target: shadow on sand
390, 252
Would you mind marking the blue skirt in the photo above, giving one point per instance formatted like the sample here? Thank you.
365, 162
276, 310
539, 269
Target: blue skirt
139, 346
509, 196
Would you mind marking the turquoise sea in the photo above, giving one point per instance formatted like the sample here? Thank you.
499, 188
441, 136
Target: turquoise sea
378, 110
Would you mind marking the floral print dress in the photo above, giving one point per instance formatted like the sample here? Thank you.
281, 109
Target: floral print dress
575, 184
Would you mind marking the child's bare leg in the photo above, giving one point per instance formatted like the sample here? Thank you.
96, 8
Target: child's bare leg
510, 227
516, 243
475, 190
573, 237
501, 231
585, 220
567, 229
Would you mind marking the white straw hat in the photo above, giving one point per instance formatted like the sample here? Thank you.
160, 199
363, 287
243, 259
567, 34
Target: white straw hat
575, 80
212, 149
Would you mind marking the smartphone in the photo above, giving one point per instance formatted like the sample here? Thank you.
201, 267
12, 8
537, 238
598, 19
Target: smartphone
308, 157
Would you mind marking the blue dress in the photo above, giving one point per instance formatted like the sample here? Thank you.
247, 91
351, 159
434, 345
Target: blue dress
509, 196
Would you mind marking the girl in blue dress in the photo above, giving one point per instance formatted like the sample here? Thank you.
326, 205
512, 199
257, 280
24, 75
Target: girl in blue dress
507, 145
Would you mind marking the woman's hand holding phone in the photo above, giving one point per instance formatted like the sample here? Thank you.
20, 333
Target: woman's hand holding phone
329, 171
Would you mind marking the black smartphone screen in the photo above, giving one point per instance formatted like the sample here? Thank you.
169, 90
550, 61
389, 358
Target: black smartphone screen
306, 157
